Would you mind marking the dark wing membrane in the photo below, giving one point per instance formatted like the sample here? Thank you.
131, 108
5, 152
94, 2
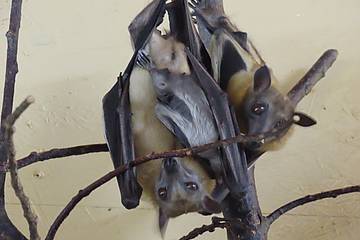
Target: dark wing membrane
116, 107
231, 62
115, 129
150, 17
234, 161
182, 27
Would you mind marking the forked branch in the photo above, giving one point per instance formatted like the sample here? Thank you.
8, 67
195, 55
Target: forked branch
29, 215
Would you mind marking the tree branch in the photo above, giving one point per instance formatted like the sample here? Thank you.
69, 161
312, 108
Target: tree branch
316, 72
185, 152
7, 229
216, 223
307, 199
11, 61
60, 153
29, 215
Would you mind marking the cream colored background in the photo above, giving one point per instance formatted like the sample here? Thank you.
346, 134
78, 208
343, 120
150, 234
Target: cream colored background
70, 54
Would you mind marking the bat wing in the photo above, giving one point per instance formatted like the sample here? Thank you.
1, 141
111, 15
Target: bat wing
116, 107
234, 160
229, 58
183, 28
145, 22
117, 124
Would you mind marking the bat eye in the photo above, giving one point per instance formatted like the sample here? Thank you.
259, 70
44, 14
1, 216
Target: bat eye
191, 186
162, 192
259, 108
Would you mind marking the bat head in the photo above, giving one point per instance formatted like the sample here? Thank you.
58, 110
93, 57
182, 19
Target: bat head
180, 189
168, 53
266, 109
260, 107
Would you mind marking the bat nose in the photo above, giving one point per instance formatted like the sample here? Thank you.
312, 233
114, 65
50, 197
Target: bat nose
170, 165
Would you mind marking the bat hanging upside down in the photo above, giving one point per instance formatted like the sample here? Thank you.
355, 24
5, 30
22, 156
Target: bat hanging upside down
175, 185
161, 102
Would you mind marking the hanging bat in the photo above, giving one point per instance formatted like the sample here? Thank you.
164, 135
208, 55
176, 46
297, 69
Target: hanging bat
240, 71
117, 115
184, 109
177, 186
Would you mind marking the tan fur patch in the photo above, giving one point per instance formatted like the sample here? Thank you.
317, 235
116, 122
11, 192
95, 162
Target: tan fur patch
167, 53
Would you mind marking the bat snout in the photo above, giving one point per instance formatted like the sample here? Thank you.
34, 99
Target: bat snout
170, 165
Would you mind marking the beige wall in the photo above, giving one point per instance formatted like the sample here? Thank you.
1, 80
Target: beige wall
70, 54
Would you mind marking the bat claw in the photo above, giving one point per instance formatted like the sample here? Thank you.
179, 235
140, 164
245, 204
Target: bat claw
143, 60
194, 19
192, 5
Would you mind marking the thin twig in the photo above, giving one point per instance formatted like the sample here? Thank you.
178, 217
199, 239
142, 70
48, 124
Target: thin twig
30, 216
216, 223
54, 153
316, 72
60, 153
185, 152
310, 198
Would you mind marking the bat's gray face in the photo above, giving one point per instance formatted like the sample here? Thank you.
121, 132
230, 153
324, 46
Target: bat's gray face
180, 190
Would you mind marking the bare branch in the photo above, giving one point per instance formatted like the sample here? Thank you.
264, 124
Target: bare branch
30, 216
7, 229
310, 198
216, 223
60, 153
185, 152
11, 61
316, 72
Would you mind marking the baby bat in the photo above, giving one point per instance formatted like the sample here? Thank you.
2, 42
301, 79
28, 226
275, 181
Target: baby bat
184, 109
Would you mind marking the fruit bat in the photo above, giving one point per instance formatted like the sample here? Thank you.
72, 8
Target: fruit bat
116, 110
185, 115
240, 71
176, 185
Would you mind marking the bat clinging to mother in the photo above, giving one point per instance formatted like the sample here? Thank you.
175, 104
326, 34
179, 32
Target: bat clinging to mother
175, 185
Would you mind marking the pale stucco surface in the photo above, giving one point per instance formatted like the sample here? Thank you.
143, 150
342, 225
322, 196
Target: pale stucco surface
70, 54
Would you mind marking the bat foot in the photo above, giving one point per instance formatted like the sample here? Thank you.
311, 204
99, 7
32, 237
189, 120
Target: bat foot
143, 60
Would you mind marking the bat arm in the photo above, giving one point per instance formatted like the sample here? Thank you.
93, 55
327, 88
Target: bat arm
152, 15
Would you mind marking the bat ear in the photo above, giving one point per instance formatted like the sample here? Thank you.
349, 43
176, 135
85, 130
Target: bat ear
262, 79
209, 206
163, 222
303, 120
